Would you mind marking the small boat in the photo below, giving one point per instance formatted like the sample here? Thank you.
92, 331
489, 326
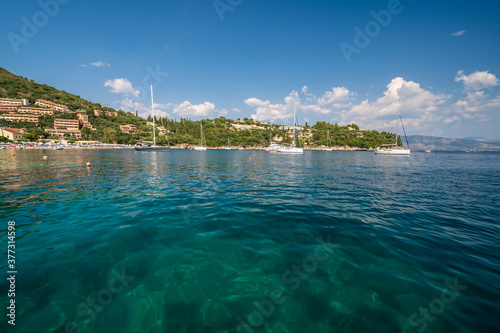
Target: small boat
428, 150
58, 148
393, 149
203, 144
154, 147
327, 148
147, 147
289, 149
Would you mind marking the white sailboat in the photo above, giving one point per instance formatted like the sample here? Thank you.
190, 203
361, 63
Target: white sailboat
203, 144
290, 148
393, 148
327, 148
154, 147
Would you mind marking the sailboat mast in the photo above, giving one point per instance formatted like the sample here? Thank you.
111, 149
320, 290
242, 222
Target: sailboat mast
294, 124
153, 112
270, 133
397, 121
201, 134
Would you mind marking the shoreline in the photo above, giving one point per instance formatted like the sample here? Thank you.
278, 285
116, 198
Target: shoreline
111, 147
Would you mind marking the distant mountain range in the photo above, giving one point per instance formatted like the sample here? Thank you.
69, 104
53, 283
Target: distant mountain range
420, 142
486, 140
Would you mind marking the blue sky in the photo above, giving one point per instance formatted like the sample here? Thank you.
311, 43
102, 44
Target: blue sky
338, 61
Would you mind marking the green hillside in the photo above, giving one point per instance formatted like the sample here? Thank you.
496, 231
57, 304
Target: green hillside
180, 132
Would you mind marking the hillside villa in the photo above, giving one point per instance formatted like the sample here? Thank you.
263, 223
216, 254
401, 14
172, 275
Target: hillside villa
52, 105
11, 134
20, 117
128, 128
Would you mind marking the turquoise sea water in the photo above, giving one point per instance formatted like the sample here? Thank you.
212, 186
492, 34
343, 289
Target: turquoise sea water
212, 241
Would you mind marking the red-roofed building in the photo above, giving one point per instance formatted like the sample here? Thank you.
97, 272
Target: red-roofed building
11, 134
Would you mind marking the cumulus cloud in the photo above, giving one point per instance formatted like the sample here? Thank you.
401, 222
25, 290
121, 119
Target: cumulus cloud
458, 33
421, 108
255, 102
121, 86
335, 96
477, 80
265, 111
416, 103
477, 100
186, 109
144, 111
474, 104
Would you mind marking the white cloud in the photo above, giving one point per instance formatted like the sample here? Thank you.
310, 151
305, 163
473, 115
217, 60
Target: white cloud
422, 109
469, 105
265, 111
337, 95
100, 64
144, 111
255, 102
412, 101
477, 80
121, 86
186, 109
224, 112
477, 100
458, 33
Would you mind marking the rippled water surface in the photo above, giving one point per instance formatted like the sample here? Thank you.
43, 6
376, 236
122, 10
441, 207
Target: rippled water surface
245, 241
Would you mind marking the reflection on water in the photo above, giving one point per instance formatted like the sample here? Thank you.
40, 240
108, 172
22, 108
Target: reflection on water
217, 242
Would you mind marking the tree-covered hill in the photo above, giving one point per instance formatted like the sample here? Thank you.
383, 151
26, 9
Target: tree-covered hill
179, 132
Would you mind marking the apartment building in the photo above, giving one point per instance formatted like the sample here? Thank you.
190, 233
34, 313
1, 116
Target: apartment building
13, 101
11, 134
83, 118
128, 128
69, 124
52, 105
20, 117
40, 111
97, 113
62, 132
8, 108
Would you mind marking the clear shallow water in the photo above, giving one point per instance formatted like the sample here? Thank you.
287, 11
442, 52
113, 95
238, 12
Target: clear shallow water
214, 242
